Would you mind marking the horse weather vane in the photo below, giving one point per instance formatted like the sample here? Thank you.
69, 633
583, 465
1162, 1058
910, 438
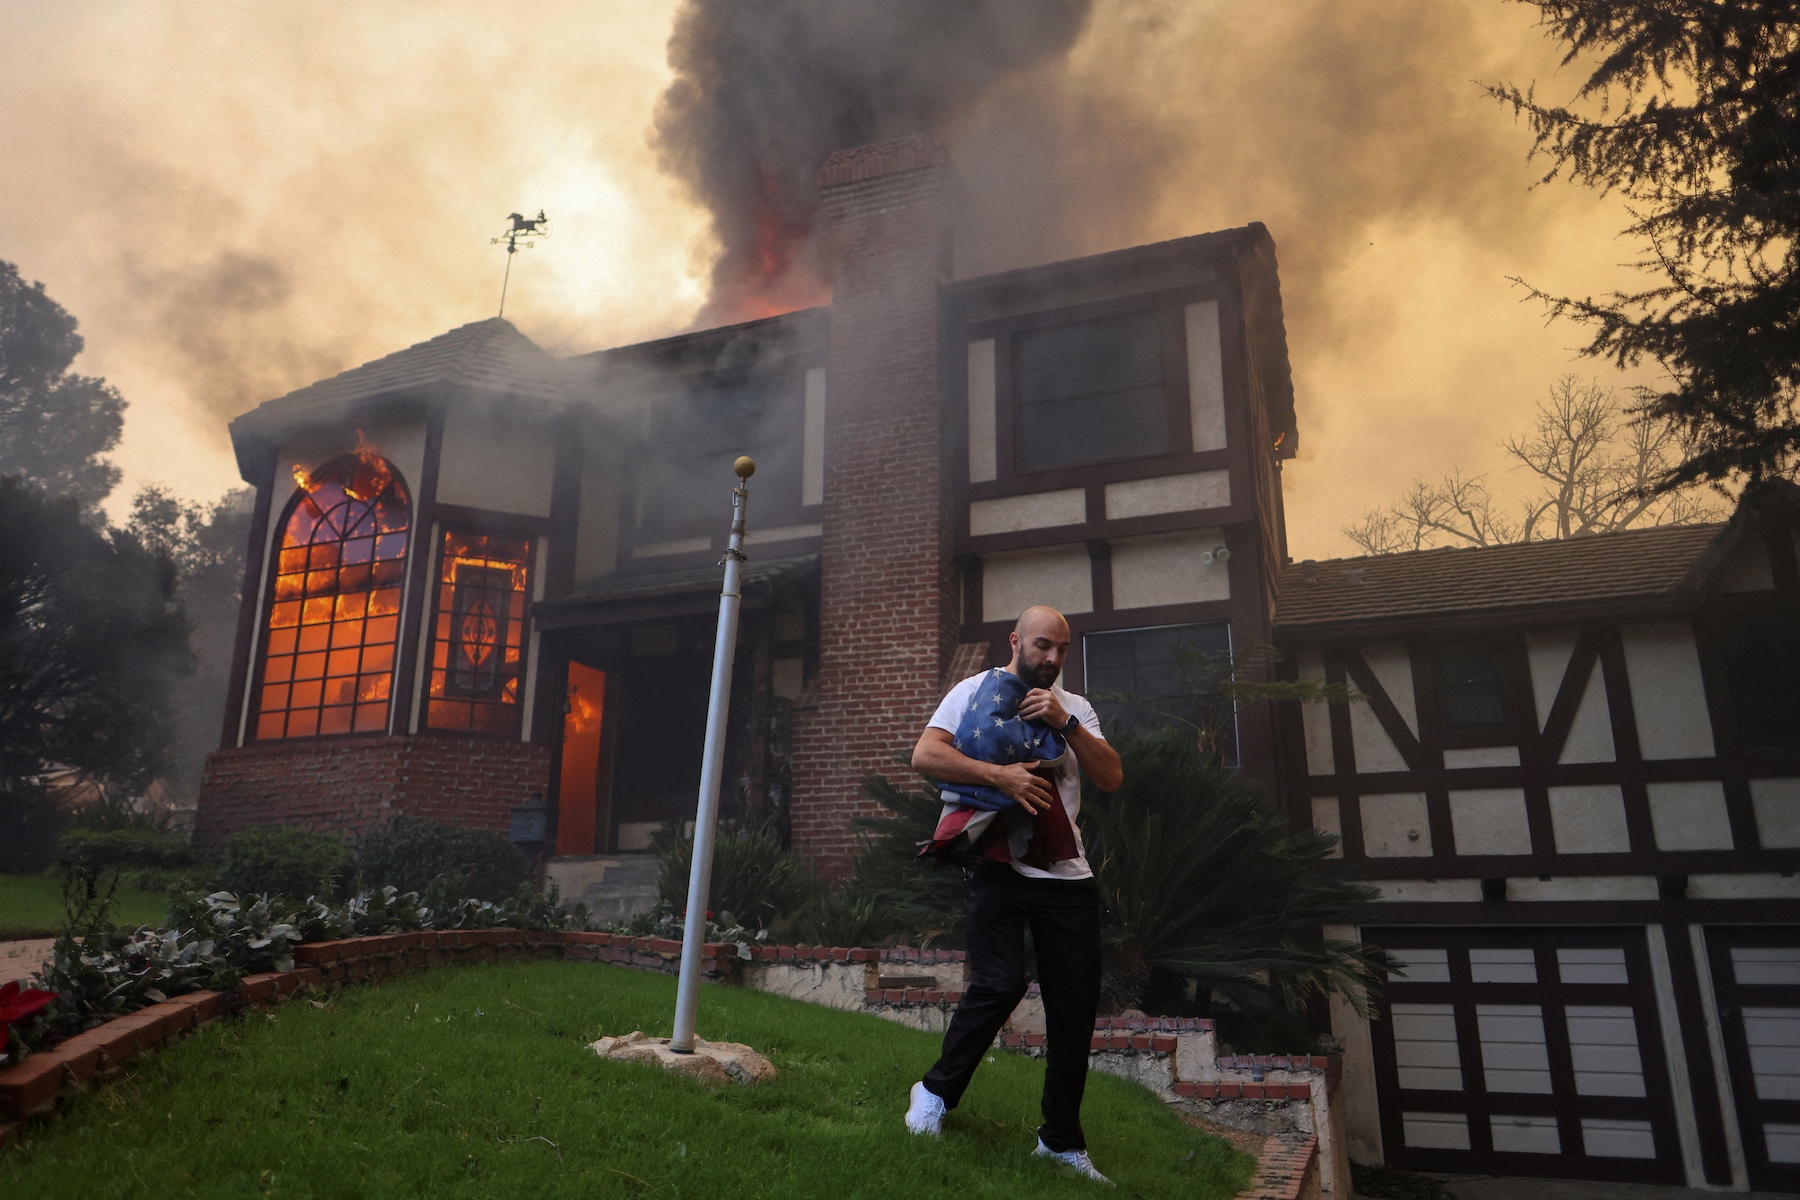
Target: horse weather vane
521, 229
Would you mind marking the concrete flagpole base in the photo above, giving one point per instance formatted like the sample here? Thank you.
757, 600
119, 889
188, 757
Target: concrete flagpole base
709, 1062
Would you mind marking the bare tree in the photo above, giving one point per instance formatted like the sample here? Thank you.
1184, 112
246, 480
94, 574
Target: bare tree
1596, 465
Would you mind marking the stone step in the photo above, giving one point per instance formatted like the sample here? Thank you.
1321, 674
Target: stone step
615, 887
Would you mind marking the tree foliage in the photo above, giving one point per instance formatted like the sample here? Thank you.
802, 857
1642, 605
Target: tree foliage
92, 643
54, 424
1691, 111
206, 543
1596, 466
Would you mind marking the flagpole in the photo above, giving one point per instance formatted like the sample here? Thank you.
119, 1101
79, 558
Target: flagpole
712, 769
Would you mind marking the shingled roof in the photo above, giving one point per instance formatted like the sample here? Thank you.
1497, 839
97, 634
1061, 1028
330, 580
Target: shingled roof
1635, 564
488, 355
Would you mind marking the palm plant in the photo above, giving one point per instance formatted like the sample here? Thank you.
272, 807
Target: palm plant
1204, 881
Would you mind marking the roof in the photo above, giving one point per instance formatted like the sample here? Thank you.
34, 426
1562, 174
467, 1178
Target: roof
488, 355
648, 595
1655, 564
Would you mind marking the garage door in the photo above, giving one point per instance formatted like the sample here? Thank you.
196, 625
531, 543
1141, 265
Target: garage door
1756, 974
1524, 1052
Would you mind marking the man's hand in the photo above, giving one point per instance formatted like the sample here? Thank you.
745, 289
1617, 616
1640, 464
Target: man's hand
938, 757
1030, 792
1041, 704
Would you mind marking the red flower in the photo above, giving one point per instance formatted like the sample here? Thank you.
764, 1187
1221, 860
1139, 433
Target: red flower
16, 1004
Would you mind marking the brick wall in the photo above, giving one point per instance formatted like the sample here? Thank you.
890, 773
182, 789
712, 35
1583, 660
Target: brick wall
349, 785
888, 594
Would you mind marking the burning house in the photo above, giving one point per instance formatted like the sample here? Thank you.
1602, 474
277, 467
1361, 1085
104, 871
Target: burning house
479, 572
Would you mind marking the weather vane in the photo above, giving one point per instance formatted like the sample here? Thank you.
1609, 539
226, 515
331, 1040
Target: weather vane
522, 227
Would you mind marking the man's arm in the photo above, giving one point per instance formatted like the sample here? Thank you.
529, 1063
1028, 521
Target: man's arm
937, 756
1099, 761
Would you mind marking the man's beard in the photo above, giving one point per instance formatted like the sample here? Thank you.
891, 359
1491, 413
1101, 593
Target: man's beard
1041, 673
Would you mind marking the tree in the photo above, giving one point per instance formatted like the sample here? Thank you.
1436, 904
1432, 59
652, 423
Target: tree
1597, 466
92, 640
54, 425
1691, 112
206, 545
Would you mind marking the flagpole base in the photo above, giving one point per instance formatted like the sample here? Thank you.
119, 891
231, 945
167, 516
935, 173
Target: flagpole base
712, 1063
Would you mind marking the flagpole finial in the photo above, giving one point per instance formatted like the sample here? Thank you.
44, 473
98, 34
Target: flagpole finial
745, 466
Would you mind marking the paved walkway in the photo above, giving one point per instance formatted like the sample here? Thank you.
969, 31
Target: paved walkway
19, 960
1490, 1187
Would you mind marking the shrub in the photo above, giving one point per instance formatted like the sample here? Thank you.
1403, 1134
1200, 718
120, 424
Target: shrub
1204, 882
755, 879
420, 856
143, 858
293, 863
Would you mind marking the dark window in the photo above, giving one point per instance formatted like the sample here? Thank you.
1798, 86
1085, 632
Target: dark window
334, 618
1762, 665
1089, 392
698, 430
1163, 676
1471, 694
477, 653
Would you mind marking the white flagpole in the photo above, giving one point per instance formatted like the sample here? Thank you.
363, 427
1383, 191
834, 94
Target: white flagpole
712, 768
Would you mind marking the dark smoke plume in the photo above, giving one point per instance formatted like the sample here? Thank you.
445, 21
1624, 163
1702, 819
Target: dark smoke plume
763, 92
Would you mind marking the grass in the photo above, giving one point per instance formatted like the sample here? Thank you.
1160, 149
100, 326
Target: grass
32, 906
477, 1082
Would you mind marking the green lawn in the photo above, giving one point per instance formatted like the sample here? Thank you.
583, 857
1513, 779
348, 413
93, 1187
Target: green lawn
477, 1082
32, 906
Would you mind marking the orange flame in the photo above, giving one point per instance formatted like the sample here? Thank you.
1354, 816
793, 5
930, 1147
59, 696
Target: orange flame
304, 478
371, 475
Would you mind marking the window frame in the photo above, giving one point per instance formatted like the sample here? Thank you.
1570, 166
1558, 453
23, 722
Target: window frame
1234, 738
1501, 733
468, 523
1171, 305
253, 710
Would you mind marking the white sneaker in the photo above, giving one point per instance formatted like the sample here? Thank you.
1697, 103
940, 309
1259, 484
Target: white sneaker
1076, 1160
926, 1112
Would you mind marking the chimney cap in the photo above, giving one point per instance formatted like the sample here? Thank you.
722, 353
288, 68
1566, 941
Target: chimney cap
911, 153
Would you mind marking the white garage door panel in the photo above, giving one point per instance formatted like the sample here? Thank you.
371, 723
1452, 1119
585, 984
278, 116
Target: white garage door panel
1783, 1142
1603, 1045
1777, 965
1525, 1135
1513, 1057
1436, 1131
1425, 1047
1617, 1139
1774, 1038
1603, 965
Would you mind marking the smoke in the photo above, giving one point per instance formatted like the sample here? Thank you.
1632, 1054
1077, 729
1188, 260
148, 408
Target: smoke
763, 92
1398, 194
238, 201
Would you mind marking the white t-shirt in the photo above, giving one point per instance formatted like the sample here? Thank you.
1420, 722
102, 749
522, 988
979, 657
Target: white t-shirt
1068, 772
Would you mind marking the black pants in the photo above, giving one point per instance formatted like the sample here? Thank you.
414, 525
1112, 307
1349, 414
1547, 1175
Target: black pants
1064, 918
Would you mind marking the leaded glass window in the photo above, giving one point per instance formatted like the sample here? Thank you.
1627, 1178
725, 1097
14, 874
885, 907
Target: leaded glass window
477, 655
334, 616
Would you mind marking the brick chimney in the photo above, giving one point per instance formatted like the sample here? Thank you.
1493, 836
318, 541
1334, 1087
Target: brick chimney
889, 599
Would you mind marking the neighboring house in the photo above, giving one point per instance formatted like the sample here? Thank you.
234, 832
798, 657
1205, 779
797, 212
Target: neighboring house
479, 572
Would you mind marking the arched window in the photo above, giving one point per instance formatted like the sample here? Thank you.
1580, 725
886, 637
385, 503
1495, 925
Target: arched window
334, 615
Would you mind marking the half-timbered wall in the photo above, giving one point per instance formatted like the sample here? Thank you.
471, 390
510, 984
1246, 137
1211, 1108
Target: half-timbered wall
1618, 794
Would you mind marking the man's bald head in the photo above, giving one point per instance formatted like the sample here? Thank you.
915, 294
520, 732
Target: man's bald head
1040, 643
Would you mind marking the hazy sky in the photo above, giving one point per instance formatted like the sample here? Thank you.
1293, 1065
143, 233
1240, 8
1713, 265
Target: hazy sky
237, 199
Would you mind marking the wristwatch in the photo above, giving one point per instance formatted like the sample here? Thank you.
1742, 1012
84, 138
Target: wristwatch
1070, 724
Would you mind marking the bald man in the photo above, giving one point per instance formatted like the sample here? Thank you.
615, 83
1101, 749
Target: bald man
1058, 902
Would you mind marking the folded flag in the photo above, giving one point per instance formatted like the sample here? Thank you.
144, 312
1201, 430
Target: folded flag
991, 730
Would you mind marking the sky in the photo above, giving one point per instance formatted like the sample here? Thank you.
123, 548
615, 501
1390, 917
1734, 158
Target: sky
238, 199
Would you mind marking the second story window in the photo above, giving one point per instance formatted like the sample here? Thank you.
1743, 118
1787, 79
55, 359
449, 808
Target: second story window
1089, 392
1471, 692
1762, 670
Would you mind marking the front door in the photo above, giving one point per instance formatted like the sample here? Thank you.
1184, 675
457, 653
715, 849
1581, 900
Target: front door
1524, 1052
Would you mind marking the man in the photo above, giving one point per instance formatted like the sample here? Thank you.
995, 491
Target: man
1058, 901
